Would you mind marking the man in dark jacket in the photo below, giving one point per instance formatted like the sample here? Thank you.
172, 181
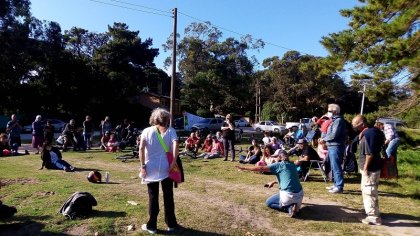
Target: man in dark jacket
371, 141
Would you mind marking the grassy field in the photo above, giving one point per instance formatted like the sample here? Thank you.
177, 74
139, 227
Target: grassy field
216, 199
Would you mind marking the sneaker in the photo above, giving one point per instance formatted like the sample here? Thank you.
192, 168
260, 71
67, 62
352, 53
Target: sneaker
372, 221
329, 188
171, 229
144, 227
291, 210
335, 190
26, 152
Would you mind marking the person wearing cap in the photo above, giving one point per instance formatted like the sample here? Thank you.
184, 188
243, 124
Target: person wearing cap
290, 194
37, 133
335, 139
305, 154
294, 134
392, 140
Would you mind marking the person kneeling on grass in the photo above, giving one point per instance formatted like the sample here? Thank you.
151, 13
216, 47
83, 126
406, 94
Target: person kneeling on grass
52, 159
289, 199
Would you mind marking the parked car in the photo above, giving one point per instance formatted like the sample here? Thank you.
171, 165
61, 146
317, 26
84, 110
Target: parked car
241, 123
208, 124
58, 125
269, 126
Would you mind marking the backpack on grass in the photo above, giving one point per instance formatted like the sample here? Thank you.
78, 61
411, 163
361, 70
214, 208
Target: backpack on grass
79, 204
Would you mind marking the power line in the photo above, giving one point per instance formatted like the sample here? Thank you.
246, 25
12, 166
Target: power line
189, 16
137, 5
234, 32
134, 9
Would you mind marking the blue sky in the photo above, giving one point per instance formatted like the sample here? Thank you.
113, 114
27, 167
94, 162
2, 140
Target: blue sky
291, 24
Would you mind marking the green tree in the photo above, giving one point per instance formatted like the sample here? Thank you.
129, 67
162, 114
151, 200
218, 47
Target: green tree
382, 44
216, 74
298, 86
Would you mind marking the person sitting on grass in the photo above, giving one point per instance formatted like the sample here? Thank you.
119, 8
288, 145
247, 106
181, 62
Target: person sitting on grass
105, 139
253, 155
266, 158
112, 144
216, 150
276, 144
207, 144
289, 199
6, 150
52, 159
191, 144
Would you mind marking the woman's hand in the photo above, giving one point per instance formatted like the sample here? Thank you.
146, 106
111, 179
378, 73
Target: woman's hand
173, 165
143, 172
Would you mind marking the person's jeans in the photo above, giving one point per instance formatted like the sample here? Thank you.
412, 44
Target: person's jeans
229, 144
391, 150
61, 164
254, 159
86, 138
168, 201
336, 155
273, 202
289, 198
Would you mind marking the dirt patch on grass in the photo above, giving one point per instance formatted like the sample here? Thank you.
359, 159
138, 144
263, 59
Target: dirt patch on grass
78, 230
22, 181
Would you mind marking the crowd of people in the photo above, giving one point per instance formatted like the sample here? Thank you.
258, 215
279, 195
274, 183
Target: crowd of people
329, 143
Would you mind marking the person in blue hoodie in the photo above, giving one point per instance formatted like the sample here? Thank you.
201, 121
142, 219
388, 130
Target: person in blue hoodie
335, 139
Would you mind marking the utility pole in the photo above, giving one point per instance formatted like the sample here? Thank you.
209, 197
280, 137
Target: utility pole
171, 106
363, 99
257, 101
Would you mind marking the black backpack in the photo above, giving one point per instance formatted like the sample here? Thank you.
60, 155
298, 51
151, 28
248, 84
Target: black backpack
79, 204
6, 211
350, 162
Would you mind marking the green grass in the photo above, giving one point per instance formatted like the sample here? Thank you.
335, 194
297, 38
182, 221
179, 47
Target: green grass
215, 199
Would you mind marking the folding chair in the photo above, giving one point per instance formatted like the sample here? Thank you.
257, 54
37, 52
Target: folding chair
320, 167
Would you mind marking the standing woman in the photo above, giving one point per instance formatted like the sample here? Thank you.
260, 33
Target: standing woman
37, 133
228, 130
155, 168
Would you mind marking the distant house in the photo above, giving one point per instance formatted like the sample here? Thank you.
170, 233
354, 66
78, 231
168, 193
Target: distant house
153, 100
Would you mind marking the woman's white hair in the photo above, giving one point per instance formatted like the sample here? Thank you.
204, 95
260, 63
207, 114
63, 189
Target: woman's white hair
160, 116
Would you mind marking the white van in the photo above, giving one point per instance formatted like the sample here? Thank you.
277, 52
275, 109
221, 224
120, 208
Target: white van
389, 120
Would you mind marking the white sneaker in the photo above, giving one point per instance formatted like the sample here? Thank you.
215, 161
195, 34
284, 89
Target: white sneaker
335, 190
144, 227
372, 221
329, 188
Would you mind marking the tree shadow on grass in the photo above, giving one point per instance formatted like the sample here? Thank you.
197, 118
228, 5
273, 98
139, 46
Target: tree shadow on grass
24, 225
331, 213
79, 169
382, 194
187, 231
400, 220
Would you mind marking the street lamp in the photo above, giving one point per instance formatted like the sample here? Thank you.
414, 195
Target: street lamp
363, 99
